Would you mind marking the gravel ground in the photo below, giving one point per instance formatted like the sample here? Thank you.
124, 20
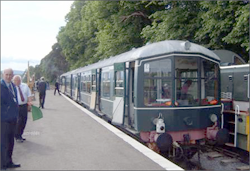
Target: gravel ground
215, 164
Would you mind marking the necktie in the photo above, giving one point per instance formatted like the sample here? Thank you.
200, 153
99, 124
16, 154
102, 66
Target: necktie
10, 88
21, 94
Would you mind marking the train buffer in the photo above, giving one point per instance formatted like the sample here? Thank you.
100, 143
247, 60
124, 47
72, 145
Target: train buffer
68, 137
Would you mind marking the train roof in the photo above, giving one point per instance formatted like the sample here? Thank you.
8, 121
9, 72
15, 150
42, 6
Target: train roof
228, 57
69, 72
158, 48
236, 66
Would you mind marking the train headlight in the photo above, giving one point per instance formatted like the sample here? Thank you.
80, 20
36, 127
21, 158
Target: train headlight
213, 118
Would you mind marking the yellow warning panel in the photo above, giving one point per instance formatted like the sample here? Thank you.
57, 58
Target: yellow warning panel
247, 131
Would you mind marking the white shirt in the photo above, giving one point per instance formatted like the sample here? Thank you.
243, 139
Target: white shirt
26, 93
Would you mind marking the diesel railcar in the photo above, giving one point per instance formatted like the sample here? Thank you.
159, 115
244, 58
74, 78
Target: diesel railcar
167, 93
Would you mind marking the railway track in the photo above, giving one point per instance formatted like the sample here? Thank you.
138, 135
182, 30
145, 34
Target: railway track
222, 158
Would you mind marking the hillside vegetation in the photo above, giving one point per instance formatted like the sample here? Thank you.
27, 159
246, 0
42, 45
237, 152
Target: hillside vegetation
99, 29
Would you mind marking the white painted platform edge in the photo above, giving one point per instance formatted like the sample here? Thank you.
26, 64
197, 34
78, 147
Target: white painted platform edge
163, 162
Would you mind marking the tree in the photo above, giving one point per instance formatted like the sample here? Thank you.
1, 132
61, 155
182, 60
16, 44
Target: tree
178, 20
225, 25
54, 64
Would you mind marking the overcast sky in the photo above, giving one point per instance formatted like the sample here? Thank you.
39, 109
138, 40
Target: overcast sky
28, 30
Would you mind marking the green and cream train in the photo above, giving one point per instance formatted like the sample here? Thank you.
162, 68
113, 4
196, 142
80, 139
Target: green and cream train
167, 93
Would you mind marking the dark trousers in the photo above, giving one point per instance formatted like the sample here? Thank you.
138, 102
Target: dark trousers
41, 99
21, 120
7, 142
57, 91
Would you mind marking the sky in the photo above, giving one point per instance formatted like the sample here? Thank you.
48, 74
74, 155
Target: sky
29, 30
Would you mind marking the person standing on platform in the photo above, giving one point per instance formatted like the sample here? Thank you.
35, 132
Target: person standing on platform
9, 115
57, 88
42, 92
24, 98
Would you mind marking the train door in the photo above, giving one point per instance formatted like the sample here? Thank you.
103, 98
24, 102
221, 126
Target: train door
63, 84
98, 88
119, 93
129, 117
74, 87
77, 87
71, 85
93, 88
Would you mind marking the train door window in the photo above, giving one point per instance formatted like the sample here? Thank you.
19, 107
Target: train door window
74, 82
158, 83
84, 83
186, 81
89, 83
67, 83
209, 82
119, 83
107, 82
81, 83
94, 82
105, 85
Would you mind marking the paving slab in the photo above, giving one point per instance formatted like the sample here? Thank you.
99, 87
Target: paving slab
66, 138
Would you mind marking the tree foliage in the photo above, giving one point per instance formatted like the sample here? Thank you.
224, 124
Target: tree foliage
99, 29
54, 64
225, 25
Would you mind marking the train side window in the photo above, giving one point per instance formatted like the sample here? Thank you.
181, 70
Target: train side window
158, 83
209, 83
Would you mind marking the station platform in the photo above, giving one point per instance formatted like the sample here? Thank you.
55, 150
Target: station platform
69, 137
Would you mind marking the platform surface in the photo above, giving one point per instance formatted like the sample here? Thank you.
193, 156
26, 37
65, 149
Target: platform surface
69, 138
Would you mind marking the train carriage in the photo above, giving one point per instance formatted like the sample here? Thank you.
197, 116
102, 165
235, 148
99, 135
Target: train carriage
235, 94
164, 92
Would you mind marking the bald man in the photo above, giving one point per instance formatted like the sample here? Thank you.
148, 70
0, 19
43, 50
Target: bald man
9, 114
24, 98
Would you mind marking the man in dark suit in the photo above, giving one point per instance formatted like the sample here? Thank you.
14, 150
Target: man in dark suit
42, 92
9, 114
57, 88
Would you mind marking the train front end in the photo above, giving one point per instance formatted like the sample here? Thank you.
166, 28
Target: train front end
178, 99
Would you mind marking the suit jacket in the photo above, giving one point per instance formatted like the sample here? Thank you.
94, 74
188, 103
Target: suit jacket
9, 106
57, 85
42, 87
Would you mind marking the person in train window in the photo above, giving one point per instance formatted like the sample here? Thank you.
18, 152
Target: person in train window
166, 91
185, 88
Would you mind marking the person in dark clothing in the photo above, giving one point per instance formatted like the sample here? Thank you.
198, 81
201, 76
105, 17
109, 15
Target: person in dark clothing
42, 92
57, 88
9, 114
